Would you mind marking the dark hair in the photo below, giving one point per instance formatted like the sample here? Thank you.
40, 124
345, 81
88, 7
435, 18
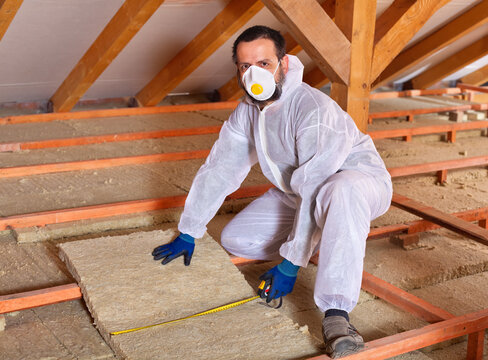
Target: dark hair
261, 32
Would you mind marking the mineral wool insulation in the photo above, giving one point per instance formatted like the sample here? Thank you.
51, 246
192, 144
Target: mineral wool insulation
125, 288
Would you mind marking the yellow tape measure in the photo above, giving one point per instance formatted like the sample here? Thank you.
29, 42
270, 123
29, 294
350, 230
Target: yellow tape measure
211, 311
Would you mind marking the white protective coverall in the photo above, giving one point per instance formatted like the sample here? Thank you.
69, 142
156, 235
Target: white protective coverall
330, 183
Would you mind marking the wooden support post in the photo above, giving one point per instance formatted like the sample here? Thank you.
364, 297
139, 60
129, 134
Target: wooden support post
456, 116
410, 117
475, 345
8, 9
405, 241
125, 24
356, 19
451, 136
407, 138
483, 223
216, 33
442, 176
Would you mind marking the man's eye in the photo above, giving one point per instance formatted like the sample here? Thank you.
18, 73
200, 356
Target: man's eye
244, 67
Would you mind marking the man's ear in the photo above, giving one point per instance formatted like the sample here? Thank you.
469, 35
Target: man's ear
284, 64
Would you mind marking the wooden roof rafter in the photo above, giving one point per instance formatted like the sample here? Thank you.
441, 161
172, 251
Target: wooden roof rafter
307, 22
478, 77
453, 63
447, 34
8, 10
216, 33
231, 90
123, 26
396, 26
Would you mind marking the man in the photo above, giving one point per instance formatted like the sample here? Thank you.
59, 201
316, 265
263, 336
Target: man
330, 183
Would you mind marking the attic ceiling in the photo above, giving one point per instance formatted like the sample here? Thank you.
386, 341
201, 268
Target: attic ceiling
47, 38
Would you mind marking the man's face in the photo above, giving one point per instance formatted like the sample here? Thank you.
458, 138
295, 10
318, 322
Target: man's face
262, 53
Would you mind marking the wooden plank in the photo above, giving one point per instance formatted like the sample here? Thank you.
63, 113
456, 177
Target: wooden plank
474, 88
403, 299
101, 139
453, 63
113, 209
396, 26
417, 92
36, 298
99, 163
128, 20
231, 90
315, 78
307, 22
399, 113
437, 166
431, 129
404, 342
356, 18
94, 114
447, 34
8, 10
216, 33
478, 77
448, 221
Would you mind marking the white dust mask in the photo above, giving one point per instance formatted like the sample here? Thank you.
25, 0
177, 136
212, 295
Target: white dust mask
259, 83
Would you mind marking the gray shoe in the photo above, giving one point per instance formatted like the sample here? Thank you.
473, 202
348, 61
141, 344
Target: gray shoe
340, 337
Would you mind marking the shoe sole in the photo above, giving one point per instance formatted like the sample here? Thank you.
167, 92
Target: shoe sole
346, 347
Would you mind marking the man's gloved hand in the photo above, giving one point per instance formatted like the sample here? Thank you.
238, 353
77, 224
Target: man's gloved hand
281, 279
184, 245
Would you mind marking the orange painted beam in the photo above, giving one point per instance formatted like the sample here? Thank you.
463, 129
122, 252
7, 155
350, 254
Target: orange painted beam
448, 221
93, 114
28, 170
36, 298
106, 210
403, 299
399, 113
404, 342
482, 89
431, 129
410, 93
8, 10
100, 139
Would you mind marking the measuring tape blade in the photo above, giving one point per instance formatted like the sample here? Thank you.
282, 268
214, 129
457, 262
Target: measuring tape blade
206, 312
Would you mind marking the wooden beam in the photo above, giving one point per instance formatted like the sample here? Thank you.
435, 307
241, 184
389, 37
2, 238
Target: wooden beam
447, 34
315, 78
106, 210
128, 20
356, 18
448, 221
92, 114
478, 77
403, 300
453, 63
27, 170
101, 139
36, 298
8, 10
216, 33
404, 342
474, 88
417, 92
308, 22
231, 90
396, 26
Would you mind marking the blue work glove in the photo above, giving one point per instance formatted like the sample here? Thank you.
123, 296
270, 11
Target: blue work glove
184, 245
280, 280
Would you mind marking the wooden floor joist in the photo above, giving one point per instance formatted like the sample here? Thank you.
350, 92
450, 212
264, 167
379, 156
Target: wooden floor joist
108, 138
482, 89
411, 93
94, 114
448, 221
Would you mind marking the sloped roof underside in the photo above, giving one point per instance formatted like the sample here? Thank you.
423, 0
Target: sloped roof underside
47, 38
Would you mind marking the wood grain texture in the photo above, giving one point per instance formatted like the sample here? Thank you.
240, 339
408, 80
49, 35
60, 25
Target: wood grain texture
125, 288
478, 77
447, 34
216, 33
453, 63
307, 22
8, 10
396, 26
128, 20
